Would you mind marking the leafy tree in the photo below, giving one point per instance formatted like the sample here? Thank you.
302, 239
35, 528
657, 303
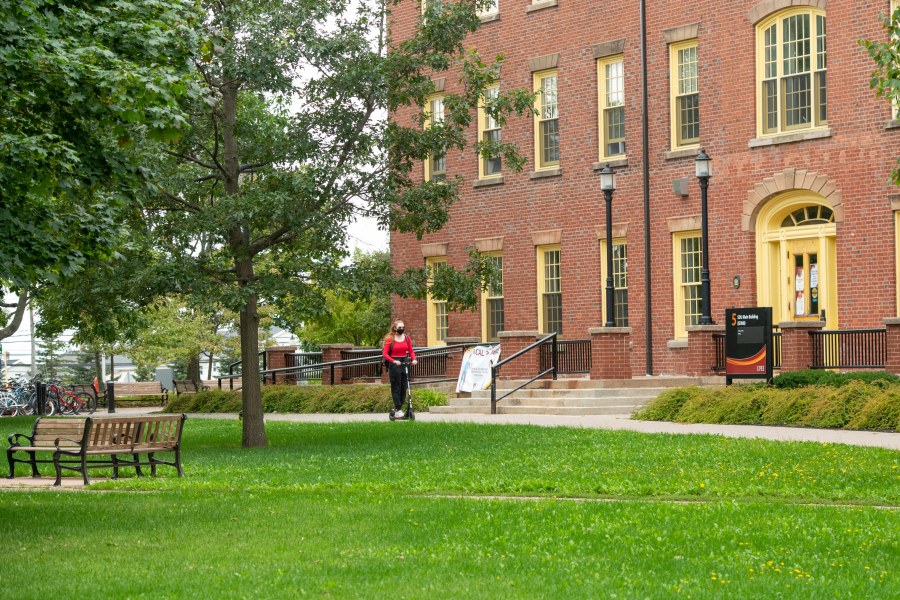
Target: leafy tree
886, 76
290, 143
50, 365
77, 80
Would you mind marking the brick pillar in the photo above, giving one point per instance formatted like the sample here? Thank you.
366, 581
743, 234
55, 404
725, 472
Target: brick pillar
892, 341
701, 353
796, 347
454, 359
610, 352
524, 367
275, 359
331, 353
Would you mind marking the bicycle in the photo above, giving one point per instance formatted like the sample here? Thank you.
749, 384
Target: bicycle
69, 402
20, 398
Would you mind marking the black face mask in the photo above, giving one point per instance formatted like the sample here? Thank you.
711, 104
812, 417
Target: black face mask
400, 330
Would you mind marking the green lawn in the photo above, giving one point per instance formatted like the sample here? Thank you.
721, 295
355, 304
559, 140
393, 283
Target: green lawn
411, 510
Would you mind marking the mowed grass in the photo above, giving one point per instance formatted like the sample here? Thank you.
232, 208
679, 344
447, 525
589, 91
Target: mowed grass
413, 510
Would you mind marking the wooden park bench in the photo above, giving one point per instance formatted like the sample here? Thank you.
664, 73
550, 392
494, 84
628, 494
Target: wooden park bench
115, 390
126, 441
188, 386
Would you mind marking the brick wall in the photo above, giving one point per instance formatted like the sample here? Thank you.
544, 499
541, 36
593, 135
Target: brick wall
857, 158
610, 352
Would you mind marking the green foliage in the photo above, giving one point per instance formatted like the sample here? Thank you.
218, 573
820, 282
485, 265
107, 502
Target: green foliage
796, 379
78, 81
854, 404
359, 398
886, 76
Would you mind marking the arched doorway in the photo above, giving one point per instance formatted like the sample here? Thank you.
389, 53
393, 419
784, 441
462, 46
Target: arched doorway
796, 257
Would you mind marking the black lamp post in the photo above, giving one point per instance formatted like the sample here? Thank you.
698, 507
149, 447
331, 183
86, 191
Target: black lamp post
608, 185
703, 164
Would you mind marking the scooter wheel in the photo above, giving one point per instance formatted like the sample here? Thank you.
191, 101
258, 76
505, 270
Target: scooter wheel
412, 416
391, 416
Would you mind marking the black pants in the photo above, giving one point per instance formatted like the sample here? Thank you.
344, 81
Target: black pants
398, 385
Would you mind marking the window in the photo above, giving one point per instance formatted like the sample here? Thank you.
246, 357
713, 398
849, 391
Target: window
620, 282
685, 95
435, 166
546, 122
687, 259
489, 131
549, 290
492, 305
791, 63
436, 310
611, 78
491, 9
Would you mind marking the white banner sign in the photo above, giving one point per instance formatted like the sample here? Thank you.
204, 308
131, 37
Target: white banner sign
475, 372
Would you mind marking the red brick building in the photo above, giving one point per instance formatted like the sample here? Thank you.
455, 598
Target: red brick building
802, 214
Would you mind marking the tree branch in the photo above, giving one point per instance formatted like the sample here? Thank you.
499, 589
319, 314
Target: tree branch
17, 316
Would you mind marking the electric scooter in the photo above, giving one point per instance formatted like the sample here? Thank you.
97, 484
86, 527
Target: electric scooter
409, 415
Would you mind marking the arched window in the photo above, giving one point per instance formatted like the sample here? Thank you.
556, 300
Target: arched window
815, 214
791, 71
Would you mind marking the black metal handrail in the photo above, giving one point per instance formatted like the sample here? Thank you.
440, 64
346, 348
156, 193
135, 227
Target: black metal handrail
574, 356
495, 370
262, 356
848, 349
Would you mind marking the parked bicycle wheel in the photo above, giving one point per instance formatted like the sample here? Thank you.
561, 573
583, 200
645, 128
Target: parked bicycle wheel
88, 402
50, 407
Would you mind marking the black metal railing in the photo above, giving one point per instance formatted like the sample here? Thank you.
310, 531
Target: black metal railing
776, 349
303, 359
574, 356
495, 370
849, 349
364, 370
235, 367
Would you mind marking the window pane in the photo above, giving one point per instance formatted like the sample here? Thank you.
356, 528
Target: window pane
687, 71
551, 271
440, 318
620, 283
614, 109
494, 318
691, 260
553, 313
492, 165
614, 122
688, 115
795, 46
550, 141
548, 97
770, 95
797, 100
490, 96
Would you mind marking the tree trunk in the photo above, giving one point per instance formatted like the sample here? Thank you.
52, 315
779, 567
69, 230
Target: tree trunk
254, 434
193, 368
13, 326
209, 366
98, 367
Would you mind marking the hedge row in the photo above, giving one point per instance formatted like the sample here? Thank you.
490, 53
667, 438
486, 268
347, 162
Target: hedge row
853, 405
367, 398
796, 379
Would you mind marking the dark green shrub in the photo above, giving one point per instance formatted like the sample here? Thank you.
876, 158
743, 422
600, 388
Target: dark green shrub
798, 379
361, 398
667, 405
881, 413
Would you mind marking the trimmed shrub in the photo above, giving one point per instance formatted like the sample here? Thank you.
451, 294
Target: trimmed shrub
810, 377
856, 404
361, 398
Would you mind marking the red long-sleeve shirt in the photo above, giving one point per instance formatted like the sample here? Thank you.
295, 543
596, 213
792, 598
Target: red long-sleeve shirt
399, 350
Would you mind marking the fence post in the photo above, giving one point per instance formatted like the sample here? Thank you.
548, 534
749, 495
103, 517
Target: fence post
111, 397
41, 391
554, 357
701, 352
610, 352
332, 353
892, 345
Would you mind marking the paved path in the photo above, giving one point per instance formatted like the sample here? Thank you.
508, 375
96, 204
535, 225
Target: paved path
622, 422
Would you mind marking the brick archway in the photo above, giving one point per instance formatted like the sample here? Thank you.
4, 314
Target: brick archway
791, 179
767, 7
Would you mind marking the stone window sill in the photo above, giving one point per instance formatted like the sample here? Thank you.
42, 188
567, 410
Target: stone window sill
545, 173
677, 344
490, 18
682, 153
488, 182
801, 136
541, 5
613, 164
893, 124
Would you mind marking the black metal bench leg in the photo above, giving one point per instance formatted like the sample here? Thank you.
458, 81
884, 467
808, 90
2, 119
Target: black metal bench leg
12, 464
178, 461
152, 462
58, 468
137, 465
34, 469
115, 463
84, 469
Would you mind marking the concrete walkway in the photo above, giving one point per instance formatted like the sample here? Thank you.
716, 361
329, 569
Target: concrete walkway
618, 422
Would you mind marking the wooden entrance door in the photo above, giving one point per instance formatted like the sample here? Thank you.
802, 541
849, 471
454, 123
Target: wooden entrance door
804, 280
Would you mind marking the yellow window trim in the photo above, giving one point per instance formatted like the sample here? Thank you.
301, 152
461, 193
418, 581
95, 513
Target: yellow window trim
429, 100
601, 101
680, 332
539, 165
673, 93
616, 242
430, 310
482, 128
487, 295
540, 250
761, 28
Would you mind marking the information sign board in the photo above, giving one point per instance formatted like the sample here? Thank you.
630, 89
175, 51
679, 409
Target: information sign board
748, 343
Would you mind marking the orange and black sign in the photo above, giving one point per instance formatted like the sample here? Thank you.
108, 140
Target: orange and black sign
748, 343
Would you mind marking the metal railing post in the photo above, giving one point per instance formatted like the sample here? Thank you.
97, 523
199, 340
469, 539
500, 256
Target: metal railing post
493, 390
555, 357
111, 397
41, 391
